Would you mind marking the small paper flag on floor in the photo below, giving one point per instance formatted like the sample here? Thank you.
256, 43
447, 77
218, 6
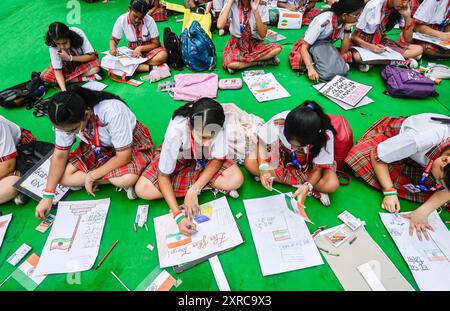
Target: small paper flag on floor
24, 274
158, 280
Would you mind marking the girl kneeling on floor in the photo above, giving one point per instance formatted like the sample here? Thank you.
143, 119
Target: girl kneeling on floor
114, 147
433, 18
296, 148
142, 34
73, 59
331, 26
248, 28
379, 17
192, 157
407, 158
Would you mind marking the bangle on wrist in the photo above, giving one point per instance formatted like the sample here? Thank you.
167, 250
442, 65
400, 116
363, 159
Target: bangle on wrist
264, 167
48, 194
179, 217
309, 185
390, 192
197, 190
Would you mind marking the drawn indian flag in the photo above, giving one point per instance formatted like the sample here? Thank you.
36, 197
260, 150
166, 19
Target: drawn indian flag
61, 244
162, 283
177, 239
24, 274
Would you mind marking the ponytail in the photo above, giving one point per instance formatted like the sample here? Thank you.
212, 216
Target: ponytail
69, 107
308, 125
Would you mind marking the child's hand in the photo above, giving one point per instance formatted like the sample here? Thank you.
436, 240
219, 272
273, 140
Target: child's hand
349, 26
266, 179
191, 204
418, 221
254, 4
313, 75
405, 11
378, 48
43, 208
113, 51
301, 194
64, 55
187, 227
137, 52
391, 204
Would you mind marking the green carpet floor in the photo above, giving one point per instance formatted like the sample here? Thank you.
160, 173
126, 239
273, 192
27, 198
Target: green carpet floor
24, 23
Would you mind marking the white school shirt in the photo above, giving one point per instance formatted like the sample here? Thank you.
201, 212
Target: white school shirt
218, 5
10, 134
372, 15
418, 135
177, 145
321, 28
292, 2
124, 26
432, 12
270, 132
118, 131
86, 48
235, 27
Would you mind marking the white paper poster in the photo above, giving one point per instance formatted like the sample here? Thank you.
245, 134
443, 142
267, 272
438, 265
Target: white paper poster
345, 90
430, 39
282, 239
265, 87
217, 231
123, 62
365, 101
427, 260
4, 223
367, 55
75, 237
289, 19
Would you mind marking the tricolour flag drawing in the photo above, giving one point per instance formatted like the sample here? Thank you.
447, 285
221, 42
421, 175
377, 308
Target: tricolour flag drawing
158, 280
177, 239
24, 274
61, 244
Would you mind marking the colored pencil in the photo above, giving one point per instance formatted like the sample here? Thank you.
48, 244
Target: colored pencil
324, 250
106, 255
352, 240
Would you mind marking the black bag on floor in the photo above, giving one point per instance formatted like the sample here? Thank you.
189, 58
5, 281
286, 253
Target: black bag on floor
30, 154
24, 93
172, 43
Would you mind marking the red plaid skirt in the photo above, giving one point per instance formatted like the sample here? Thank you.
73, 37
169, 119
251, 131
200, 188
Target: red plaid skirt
160, 15
150, 54
238, 50
84, 157
291, 175
432, 47
402, 172
26, 138
79, 69
296, 60
309, 16
184, 175
397, 46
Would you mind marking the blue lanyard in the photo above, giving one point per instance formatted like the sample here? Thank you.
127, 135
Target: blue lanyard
303, 168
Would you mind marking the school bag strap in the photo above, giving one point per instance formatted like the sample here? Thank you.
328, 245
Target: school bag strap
122, 79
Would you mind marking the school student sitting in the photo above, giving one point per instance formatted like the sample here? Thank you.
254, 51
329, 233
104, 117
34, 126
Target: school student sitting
114, 147
296, 148
73, 59
142, 34
433, 18
248, 27
12, 137
305, 6
331, 26
407, 158
379, 17
192, 157
157, 11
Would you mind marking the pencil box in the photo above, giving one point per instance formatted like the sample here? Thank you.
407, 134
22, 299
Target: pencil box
230, 84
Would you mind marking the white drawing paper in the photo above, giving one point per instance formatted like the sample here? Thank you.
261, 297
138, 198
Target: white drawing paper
4, 223
282, 239
431, 39
123, 62
365, 101
265, 87
427, 260
389, 54
345, 90
371, 277
217, 231
274, 36
75, 237
95, 86
289, 19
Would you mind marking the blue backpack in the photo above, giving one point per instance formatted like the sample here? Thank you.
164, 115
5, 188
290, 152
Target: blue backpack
197, 48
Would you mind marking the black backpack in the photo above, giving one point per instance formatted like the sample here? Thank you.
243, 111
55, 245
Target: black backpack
26, 93
173, 46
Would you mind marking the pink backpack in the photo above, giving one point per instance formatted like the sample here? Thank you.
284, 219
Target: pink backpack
193, 86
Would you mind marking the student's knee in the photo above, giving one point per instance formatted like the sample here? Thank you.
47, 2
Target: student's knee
233, 178
125, 181
356, 57
276, 51
415, 50
95, 70
159, 59
68, 175
332, 183
146, 190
